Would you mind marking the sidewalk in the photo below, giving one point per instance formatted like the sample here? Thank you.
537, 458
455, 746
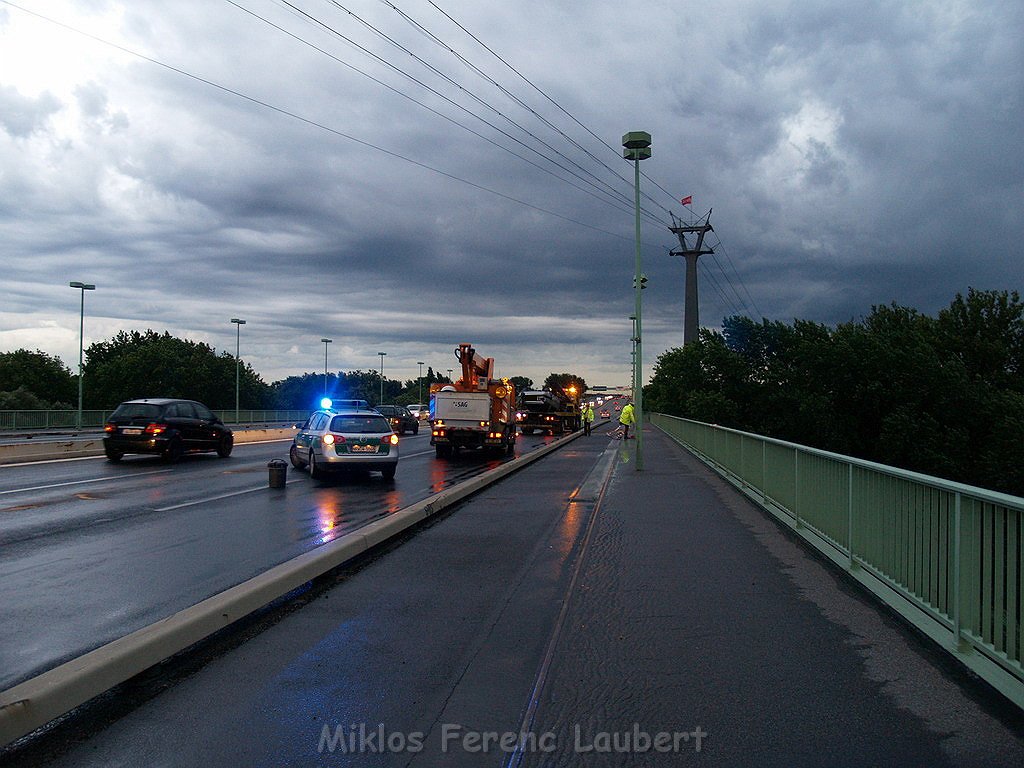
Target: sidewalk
698, 617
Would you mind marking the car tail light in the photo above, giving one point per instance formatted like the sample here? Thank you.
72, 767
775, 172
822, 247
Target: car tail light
156, 429
390, 440
109, 427
332, 439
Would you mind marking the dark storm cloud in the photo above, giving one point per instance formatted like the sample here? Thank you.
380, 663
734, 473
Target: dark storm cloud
854, 154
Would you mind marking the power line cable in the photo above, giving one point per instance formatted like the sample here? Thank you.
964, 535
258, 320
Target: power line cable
308, 121
399, 92
462, 89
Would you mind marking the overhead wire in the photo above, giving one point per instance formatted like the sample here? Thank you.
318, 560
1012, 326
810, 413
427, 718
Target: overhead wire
403, 94
307, 121
469, 93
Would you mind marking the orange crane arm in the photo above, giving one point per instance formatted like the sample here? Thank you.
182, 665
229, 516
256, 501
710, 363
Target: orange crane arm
474, 367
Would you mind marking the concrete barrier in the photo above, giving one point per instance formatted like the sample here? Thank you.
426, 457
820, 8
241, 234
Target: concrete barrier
36, 450
35, 702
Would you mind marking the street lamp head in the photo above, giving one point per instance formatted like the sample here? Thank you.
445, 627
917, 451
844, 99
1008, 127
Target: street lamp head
420, 362
326, 341
636, 145
236, 320
83, 286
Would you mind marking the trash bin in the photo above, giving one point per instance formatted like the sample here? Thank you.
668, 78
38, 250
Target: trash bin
278, 473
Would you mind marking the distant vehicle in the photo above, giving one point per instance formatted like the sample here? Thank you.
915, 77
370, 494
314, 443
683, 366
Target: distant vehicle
605, 415
345, 439
420, 410
400, 417
543, 410
165, 426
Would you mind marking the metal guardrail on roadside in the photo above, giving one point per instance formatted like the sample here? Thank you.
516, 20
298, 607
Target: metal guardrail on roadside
948, 557
12, 420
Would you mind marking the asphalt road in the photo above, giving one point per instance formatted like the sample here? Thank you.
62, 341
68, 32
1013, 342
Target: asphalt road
92, 551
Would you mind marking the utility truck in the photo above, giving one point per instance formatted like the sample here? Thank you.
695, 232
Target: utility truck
476, 411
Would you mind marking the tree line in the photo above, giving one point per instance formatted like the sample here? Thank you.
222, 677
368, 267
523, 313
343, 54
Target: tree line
939, 395
149, 364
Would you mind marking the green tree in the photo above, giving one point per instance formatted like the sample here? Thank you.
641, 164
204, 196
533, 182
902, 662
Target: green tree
521, 383
150, 364
40, 374
561, 382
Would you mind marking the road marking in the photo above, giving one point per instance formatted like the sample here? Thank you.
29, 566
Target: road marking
83, 482
410, 455
217, 498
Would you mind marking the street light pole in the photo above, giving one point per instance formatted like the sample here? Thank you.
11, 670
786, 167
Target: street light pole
83, 287
381, 377
238, 338
419, 398
326, 342
449, 374
637, 147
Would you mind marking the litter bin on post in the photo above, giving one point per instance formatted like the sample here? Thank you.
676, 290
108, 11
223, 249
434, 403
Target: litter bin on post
278, 473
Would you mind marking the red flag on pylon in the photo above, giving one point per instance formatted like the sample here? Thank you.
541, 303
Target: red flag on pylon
688, 200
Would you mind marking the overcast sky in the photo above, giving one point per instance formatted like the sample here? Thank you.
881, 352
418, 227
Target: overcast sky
404, 176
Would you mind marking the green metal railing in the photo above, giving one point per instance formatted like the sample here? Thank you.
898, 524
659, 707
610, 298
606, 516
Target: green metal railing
949, 557
14, 420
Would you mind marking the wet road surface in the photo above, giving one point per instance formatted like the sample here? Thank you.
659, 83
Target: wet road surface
90, 551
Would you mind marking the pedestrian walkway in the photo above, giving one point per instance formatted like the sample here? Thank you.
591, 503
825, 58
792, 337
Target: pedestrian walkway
699, 618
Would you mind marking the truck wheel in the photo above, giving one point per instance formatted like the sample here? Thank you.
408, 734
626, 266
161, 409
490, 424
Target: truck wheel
443, 451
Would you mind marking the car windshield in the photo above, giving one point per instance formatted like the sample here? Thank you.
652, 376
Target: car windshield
360, 424
136, 411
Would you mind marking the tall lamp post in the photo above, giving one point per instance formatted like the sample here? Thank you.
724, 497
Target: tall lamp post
449, 374
326, 342
420, 396
632, 355
636, 147
382, 354
238, 338
83, 287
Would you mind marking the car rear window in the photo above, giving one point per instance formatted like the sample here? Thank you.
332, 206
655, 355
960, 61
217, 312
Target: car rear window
136, 411
360, 424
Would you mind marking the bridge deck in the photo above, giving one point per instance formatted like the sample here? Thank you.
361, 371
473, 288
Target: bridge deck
668, 605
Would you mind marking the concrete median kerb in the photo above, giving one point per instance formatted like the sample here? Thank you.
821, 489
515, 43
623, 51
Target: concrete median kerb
35, 702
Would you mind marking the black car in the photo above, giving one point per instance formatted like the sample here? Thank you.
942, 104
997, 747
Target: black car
167, 427
400, 417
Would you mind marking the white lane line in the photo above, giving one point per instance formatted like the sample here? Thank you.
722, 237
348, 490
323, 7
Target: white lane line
258, 488
83, 482
217, 498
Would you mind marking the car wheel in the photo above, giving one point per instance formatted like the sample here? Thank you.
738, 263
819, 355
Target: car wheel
114, 456
314, 471
293, 457
224, 447
389, 472
174, 450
